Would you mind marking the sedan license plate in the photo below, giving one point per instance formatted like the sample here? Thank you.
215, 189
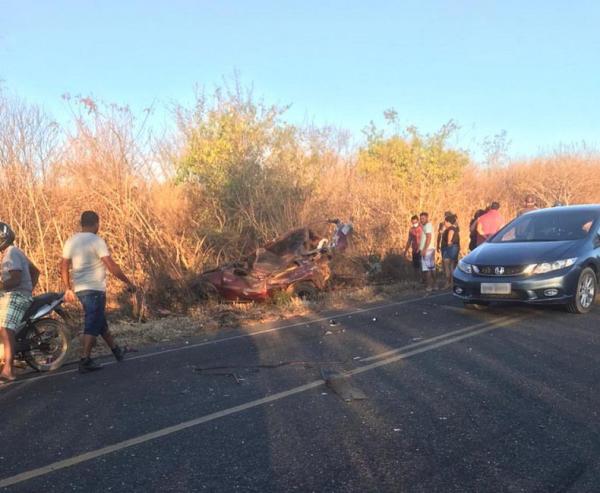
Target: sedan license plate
495, 288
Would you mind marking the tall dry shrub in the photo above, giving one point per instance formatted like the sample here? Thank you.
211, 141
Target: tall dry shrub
50, 175
107, 166
247, 171
29, 147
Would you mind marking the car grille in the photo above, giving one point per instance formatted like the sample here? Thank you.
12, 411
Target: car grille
499, 270
514, 295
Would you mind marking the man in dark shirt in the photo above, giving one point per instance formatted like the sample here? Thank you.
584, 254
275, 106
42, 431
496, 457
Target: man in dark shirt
441, 228
414, 239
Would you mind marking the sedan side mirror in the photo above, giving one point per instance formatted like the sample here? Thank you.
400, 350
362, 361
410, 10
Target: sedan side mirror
597, 240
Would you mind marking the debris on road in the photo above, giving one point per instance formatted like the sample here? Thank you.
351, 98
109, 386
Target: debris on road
341, 384
209, 371
335, 331
333, 322
267, 366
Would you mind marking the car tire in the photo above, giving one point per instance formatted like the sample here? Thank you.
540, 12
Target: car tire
205, 291
477, 306
585, 293
304, 291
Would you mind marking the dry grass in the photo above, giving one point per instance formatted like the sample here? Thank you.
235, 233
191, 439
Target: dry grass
210, 319
164, 230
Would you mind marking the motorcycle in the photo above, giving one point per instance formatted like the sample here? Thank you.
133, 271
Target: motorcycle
42, 341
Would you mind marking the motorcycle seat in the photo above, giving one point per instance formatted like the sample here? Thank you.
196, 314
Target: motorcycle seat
39, 302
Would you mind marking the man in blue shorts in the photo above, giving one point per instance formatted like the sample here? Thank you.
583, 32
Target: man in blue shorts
85, 261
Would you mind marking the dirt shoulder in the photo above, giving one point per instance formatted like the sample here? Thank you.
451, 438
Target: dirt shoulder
211, 318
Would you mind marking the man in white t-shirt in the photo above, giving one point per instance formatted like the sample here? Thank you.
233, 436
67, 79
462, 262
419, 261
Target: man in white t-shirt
18, 277
427, 248
85, 261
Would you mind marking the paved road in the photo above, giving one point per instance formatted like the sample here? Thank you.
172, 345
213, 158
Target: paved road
503, 400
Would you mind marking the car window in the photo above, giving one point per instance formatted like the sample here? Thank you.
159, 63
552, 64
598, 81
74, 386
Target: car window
555, 226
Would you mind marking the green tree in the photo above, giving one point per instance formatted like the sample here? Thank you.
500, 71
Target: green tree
250, 170
418, 163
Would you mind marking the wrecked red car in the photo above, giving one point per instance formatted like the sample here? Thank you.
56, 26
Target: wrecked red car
296, 263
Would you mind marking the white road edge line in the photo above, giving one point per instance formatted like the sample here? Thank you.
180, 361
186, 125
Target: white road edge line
94, 454
232, 338
403, 355
437, 338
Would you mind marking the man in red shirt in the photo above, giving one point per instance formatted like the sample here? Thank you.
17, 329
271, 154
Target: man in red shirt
414, 239
489, 224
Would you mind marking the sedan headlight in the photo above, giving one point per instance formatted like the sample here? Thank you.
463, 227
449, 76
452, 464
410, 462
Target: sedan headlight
549, 266
466, 268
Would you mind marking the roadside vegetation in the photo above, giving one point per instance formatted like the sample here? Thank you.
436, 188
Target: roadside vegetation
234, 173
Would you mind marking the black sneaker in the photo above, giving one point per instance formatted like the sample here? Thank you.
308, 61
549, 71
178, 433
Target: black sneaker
87, 365
119, 353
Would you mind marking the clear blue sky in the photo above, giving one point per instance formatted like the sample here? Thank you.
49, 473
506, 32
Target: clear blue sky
528, 67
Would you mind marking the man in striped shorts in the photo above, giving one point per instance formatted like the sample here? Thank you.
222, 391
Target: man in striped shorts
18, 278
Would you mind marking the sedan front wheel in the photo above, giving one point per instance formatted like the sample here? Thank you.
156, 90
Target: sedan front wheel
585, 293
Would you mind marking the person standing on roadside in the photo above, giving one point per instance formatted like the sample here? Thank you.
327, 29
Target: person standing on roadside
18, 278
427, 249
473, 229
489, 223
85, 261
414, 241
441, 228
450, 248
530, 205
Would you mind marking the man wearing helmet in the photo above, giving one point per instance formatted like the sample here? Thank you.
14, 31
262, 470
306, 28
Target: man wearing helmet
19, 277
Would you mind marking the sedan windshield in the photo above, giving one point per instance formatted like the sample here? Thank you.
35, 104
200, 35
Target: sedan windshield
557, 225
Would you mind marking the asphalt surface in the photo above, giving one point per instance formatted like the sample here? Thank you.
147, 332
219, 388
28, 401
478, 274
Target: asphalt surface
456, 400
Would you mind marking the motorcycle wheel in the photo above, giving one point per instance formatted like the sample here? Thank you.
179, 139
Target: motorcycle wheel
49, 344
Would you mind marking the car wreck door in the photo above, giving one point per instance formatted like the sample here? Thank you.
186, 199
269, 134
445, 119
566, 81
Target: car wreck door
246, 287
